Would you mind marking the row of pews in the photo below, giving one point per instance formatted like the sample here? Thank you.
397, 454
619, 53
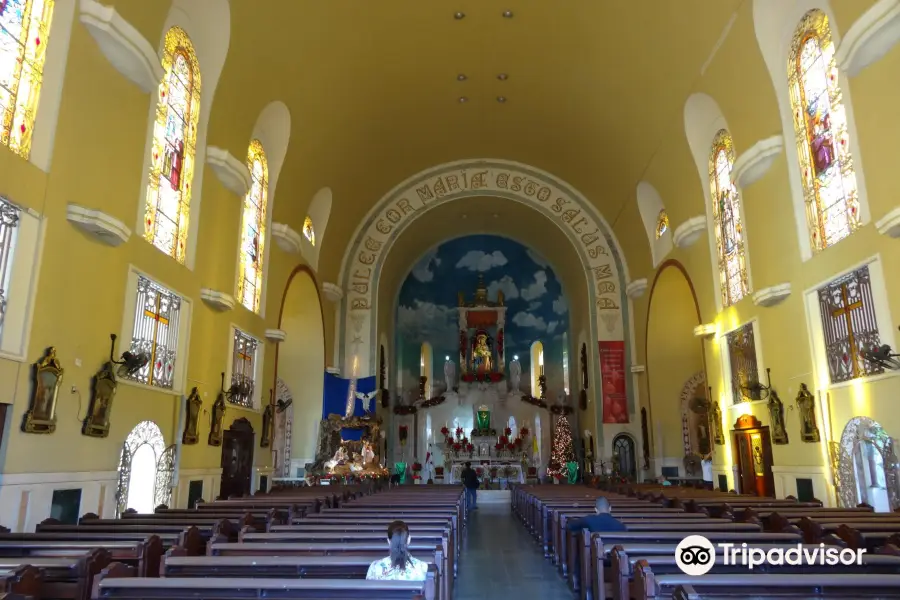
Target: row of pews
305, 543
640, 563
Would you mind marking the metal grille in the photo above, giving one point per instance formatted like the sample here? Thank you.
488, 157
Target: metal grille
849, 325
156, 333
9, 221
744, 368
243, 369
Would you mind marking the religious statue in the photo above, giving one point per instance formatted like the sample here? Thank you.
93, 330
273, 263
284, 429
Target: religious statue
806, 403
716, 414
776, 416
48, 374
339, 458
481, 353
215, 427
368, 455
192, 418
96, 423
515, 374
450, 374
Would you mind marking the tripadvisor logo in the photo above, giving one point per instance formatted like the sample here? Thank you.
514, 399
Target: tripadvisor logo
695, 555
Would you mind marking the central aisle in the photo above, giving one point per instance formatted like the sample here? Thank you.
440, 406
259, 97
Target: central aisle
499, 559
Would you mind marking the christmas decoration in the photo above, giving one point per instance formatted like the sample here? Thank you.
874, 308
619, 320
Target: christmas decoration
563, 450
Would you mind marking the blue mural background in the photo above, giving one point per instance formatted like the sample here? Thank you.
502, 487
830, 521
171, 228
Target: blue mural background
427, 305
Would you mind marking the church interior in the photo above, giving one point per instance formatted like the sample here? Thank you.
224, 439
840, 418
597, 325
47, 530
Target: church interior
330, 243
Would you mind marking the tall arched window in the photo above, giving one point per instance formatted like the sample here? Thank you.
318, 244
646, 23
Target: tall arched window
727, 219
167, 212
308, 231
253, 228
662, 223
823, 142
536, 356
146, 468
426, 367
24, 28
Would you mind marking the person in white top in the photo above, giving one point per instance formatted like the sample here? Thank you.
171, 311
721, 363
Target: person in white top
706, 465
399, 566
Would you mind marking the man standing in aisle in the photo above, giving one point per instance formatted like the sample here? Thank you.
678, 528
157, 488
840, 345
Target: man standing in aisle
706, 465
470, 480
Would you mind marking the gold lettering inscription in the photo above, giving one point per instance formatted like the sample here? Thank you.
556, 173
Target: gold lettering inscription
359, 304
606, 304
372, 244
596, 251
405, 207
383, 227
366, 259
439, 190
602, 272
517, 184
589, 238
452, 183
606, 287
543, 194
425, 193
393, 215
569, 215
531, 188
360, 288
479, 180
502, 180
580, 221
557, 206
364, 274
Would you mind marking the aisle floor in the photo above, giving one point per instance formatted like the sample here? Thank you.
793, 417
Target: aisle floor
500, 559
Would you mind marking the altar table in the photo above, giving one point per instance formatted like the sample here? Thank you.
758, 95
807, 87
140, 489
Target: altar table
486, 466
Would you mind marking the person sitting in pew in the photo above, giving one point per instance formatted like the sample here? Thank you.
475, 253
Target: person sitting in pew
399, 565
664, 481
602, 521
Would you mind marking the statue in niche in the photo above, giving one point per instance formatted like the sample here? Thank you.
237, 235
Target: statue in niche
96, 423
48, 374
481, 353
450, 374
776, 416
265, 440
515, 374
806, 404
218, 415
192, 418
718, 436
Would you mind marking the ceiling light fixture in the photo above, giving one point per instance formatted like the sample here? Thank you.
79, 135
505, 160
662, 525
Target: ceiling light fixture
501, 99
459, 15
463, 99
461, 77
508, 14
502, 76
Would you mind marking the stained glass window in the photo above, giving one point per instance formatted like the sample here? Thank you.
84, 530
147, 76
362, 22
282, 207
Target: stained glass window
848, 321
172, 154
726, 205
9, 221
243, 369
823, 142
744, 369
156, 333
24, 29
308, 231
253, 229
662, 223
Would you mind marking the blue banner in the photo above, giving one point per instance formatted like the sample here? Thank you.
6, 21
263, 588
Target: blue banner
334, 400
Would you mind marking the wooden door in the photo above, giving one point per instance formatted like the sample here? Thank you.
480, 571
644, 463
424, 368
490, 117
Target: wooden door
753, 457
237, 459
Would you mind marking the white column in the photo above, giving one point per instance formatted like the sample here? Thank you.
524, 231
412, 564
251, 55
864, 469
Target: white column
335, 294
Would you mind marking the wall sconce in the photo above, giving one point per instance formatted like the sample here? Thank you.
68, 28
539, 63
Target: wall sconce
705, 331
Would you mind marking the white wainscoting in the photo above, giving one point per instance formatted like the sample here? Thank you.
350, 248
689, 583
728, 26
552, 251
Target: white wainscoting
212, 482
786, 481
258, 472
25, 499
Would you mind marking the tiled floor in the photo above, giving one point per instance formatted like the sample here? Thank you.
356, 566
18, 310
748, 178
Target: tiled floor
501, 560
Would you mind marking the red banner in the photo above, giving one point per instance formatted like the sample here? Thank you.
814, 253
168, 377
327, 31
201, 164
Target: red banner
612, 375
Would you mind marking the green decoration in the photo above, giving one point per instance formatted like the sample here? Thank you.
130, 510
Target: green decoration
400, 469
484, 419
572, 471
563, 450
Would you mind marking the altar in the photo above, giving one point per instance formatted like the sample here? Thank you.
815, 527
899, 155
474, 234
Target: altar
491, 471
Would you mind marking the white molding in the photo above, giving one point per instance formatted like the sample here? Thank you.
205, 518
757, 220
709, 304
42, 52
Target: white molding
333, 371
636, 288
286, 238
332, 292
773, 295
217, 300
233, 173
870, 37
689, 232
750, 166
889, 224
707, 330
275, 335
638, 368
103, 227
123, 45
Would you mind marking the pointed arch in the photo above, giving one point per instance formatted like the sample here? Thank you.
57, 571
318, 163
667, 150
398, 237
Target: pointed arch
727, 221
655, 220
426, 367
781, 28
537, 366
146, 468
253, 229
315, 225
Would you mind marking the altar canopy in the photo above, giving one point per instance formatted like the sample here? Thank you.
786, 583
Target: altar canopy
334, 401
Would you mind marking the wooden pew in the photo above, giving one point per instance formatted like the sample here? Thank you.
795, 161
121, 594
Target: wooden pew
24, 580
777, 585
190, 538
144, 555
182, 588
64, 577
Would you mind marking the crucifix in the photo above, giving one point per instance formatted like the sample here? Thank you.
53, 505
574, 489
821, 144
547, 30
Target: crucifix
157, 316
845, 312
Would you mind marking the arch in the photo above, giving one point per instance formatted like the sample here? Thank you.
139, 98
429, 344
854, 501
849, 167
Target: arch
775, 25
728, 222
536, 361
252, 246
695, 432
273, 131
300, 360
207, 26
703, 120
860, 431
317, 223
284, 419
624, 453
146, 469
426, 364
652, 210
538, 442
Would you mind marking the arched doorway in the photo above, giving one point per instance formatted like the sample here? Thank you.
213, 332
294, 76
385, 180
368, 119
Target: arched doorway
237, 459
867, 467
146, 470
624, 457
301, 366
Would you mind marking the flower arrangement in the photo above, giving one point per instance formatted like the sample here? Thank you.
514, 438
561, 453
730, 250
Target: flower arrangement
504, 440
417, 477
469, 447
457, 447
507, 432
417, 466
510, 447
439, 471
464, 441
482, 377
404, 434
459, 432
523, 432
518, 442
445, 432
498, 446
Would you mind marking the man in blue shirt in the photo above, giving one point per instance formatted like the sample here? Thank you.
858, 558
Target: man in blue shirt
602, 521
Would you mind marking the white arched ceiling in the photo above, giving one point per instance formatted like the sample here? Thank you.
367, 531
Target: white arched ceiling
319, 211
273, 130
774, 22
208, 25
649, 205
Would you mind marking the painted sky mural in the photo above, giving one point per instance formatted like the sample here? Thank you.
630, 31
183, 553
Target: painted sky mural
427, 304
